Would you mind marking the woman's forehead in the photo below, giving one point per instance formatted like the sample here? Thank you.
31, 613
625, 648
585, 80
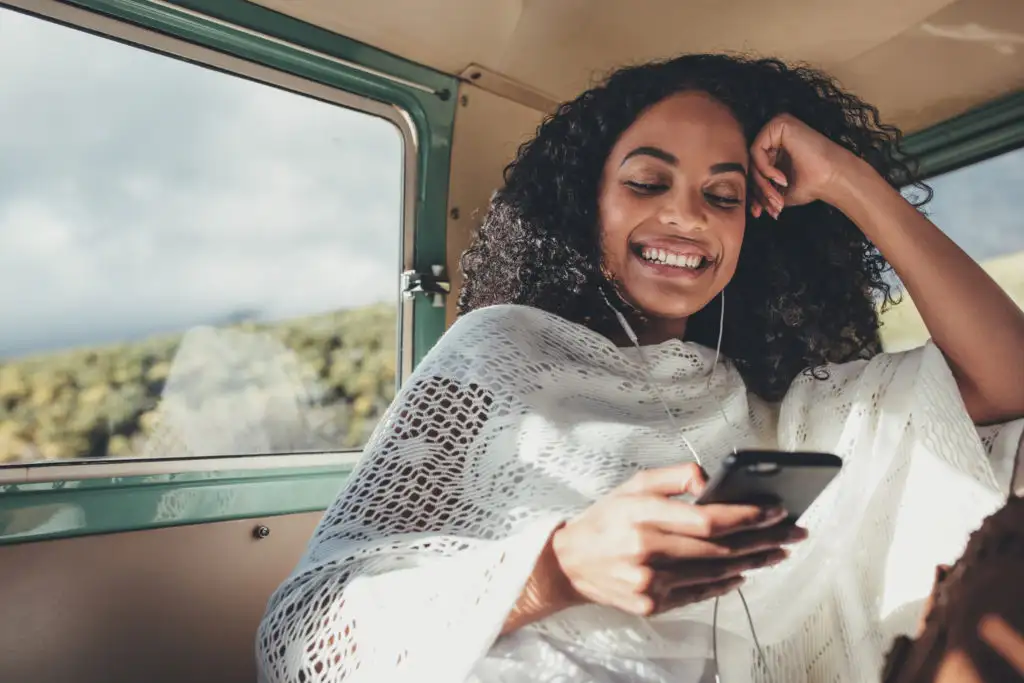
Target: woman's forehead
687, 124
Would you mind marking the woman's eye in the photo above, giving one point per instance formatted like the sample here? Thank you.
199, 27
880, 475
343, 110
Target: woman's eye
724, 202
646, 188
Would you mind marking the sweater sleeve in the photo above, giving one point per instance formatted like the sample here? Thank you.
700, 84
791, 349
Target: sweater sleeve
413, 570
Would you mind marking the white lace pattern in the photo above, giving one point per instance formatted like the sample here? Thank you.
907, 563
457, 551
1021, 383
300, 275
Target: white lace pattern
518, 419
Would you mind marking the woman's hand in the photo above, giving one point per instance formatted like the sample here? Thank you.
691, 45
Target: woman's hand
802, 163
640, 551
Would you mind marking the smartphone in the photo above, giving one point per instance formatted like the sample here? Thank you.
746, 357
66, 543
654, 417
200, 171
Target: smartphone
761, 477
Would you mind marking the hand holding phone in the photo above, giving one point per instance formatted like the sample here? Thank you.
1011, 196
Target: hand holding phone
640, 549
792, 480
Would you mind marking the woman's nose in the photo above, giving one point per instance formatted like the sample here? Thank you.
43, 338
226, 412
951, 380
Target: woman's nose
683, 210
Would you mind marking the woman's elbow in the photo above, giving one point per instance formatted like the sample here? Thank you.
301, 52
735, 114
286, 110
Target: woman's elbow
993, 404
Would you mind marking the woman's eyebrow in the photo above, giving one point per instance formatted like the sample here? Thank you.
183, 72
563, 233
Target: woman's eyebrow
669, 158
728, 167
655, 152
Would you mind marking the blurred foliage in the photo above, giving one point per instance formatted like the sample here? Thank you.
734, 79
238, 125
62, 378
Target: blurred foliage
102, 402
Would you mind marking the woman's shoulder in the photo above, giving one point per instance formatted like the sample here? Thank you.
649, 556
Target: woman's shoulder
841, 381
510, 333
507, 330
501, 317
523, 324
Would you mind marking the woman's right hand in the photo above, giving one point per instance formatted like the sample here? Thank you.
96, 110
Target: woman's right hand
643, 552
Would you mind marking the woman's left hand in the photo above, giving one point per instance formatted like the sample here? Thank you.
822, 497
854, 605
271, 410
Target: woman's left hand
801, 162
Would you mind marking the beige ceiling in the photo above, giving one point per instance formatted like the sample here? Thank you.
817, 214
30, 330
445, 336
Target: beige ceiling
920, 61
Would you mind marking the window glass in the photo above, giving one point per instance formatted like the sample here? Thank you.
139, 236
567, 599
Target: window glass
191, 263
980, 208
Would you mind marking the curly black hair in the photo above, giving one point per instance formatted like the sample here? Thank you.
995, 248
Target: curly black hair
806, 288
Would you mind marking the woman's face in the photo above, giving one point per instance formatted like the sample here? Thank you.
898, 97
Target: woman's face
672, 206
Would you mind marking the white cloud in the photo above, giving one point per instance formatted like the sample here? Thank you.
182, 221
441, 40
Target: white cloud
141, 194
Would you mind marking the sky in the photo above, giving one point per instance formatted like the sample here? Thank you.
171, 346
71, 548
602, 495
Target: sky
982, 206
141, 195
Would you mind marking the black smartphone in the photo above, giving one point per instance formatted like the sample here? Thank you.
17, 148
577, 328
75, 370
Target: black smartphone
761, 477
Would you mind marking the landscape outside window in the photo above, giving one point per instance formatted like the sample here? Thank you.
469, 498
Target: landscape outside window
980, 207
192, 264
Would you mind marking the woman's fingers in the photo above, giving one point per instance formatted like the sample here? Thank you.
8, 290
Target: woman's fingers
666, 481
664, 548
704, 579
710, 571
764, 154
688, 595
779, 534
643, 590
702, 521
661, 600
773, 200
756, 208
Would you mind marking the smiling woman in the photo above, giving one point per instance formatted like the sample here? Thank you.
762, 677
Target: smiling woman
193, 263
807, 281
523, 512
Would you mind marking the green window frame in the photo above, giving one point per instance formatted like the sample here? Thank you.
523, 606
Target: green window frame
982, 133
65, 499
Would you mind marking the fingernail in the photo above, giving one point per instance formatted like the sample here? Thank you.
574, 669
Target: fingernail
797, 534
781, 180
777, 557
773, 513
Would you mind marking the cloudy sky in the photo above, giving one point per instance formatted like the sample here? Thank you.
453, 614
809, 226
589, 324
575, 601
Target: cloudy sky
139, 194
982, 206
142, 194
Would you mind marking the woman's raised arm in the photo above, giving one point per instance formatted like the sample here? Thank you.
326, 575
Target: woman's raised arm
971, 319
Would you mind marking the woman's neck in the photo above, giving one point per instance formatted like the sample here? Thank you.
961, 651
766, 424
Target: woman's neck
652, 331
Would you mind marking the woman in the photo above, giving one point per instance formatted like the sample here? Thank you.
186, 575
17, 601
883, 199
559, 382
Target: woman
517, 514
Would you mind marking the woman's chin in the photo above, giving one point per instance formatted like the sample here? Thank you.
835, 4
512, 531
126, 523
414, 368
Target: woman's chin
668, 308
668, 300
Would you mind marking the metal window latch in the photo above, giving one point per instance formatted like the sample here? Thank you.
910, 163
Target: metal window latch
430, 284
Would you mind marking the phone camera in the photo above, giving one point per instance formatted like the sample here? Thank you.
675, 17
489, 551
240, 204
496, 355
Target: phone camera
763, 468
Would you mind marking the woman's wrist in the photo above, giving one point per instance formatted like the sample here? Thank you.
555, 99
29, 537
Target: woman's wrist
853, 180
559, 590
547, 591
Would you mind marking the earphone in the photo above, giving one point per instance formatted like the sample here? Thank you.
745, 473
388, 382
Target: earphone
627, 328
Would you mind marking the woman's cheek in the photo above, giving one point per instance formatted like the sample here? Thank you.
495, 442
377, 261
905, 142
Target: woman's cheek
732, 246
614, 235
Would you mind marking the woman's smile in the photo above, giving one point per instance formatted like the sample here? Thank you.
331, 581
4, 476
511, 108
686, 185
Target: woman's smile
673, 258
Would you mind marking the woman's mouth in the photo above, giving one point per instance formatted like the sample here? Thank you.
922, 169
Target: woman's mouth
668, 261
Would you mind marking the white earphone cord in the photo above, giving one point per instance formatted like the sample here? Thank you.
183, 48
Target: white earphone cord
654, 387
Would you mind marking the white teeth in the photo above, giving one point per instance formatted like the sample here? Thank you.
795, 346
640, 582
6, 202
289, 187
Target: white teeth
668, 258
